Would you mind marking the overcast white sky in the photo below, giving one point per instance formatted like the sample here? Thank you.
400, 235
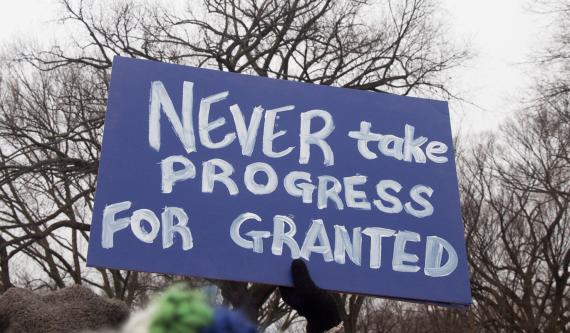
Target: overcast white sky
502, 35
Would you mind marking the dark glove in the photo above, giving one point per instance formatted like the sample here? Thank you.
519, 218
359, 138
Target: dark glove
310, 301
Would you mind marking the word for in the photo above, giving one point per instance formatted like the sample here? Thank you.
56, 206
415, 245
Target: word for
112, 224
299, 184
317, 241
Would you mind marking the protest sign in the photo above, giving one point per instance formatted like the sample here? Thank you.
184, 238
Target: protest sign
230, 176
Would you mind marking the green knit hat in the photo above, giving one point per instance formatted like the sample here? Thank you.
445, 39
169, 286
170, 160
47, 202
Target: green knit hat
181, 310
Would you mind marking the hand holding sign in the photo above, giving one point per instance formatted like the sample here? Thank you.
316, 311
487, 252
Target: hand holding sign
311, 302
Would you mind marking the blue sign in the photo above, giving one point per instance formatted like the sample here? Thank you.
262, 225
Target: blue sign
230, 176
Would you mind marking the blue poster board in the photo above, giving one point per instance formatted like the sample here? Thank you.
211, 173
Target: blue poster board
230, 176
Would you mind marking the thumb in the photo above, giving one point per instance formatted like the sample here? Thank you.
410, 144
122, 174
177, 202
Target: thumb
301, 277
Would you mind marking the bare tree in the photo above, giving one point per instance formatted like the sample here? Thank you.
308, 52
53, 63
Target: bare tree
401, 49
49, 153
516, 195
515, 200
554, 61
